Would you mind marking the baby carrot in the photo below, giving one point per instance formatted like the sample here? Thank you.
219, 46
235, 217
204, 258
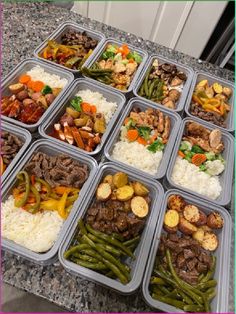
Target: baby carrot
86, 107
198, 159
142, 141
30, 84
181, 154
37, 86
24, 79
132, 135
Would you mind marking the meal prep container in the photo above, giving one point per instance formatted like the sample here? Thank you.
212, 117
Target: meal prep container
175, 124
220, 302
142, 250
132, 48
187, 70
23, 67
52, 149
60, 31
82, 84
24, 136
199, 76
225, 178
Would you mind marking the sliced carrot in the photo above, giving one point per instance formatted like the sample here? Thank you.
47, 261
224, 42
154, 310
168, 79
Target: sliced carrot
32, 179
181, 154
2, 166
142, 141
37, 86
126, 120
86, 107
131, 60
30, 84
62, 189
124, 50
93, 109
24, 79
198, 159
132, 135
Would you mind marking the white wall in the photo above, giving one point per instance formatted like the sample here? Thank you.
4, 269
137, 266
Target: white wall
182, 25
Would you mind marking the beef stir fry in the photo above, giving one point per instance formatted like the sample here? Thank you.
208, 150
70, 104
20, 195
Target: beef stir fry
10, 145
73, 50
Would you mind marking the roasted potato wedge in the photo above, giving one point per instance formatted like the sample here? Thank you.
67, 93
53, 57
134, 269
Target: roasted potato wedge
103, 191
191, 213
215, 221
72, 112
171, 218
202, 219
124, 193
16, 88
218, 89
139, 206
120, 179
210, 241
203, 83
227, 91
186, 227
198, 235
176, 202
140, 189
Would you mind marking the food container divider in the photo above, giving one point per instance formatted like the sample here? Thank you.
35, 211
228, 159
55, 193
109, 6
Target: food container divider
175, 124
82, 84
199, 76
52, 149
225, 178
187, 70
60, 31
142, 250
143, 53
24, 66
25, 137
222, 271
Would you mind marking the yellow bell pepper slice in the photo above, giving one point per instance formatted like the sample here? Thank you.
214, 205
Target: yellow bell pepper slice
50, 204
62, 206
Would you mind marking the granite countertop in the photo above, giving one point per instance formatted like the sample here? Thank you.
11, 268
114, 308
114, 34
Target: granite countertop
25, 26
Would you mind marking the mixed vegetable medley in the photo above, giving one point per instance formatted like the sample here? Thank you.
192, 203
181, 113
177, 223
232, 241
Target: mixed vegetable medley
110, 230
10, 145
29, 99
72, 51
116, 66
183, 274
163, 84
210, 102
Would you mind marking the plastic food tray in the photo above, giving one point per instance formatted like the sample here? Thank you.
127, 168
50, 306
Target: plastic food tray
25, 137
225, 178
187, 70
52, 149
137, 265
175, 124
132, 48
60, 31
220, 302
212, 79
81, 84
23, 67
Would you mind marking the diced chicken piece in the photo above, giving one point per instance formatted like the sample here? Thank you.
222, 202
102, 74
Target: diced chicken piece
122, 79
215, 138
102, 64
119, 67
109, 64
195, 129
166, 132
131, 67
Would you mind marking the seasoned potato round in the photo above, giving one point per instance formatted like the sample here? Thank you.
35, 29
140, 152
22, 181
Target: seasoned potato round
140, 189
139, 206
191, 213
210, 241
108, 179
170, 229
176, 202
120, 179
171, 218
215, 221
103, 191
124, 193
186, 227
202, 219
198, 235
205, 228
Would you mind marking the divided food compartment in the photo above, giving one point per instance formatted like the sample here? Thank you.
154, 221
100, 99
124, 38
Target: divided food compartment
175, 124
187, 70
81, 84
222, 272
60, 31
199, 76
24, 136
23, 67
143, 53
225, 178
52, 149
142, 250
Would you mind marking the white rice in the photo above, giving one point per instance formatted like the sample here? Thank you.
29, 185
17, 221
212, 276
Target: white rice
37, 232
189, 176
37, 73
137, 155
97, 99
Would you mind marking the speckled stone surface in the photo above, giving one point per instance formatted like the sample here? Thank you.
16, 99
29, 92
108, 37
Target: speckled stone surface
25, 26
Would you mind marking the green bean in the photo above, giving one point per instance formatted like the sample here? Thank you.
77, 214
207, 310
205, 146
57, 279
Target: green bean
164, 289
85, 257
90, 252
208, 284
151, 89
105, 246
117, 236
81, 225
114, 264
21, 202
110, 240
94, 266
185, 297
74, 249
157, 281
201, 277
193, 308
173, 294
146, 81
211, 295
157, 292
110, 274
169, 301
131, 241
33, 208
47, 186
210, 272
